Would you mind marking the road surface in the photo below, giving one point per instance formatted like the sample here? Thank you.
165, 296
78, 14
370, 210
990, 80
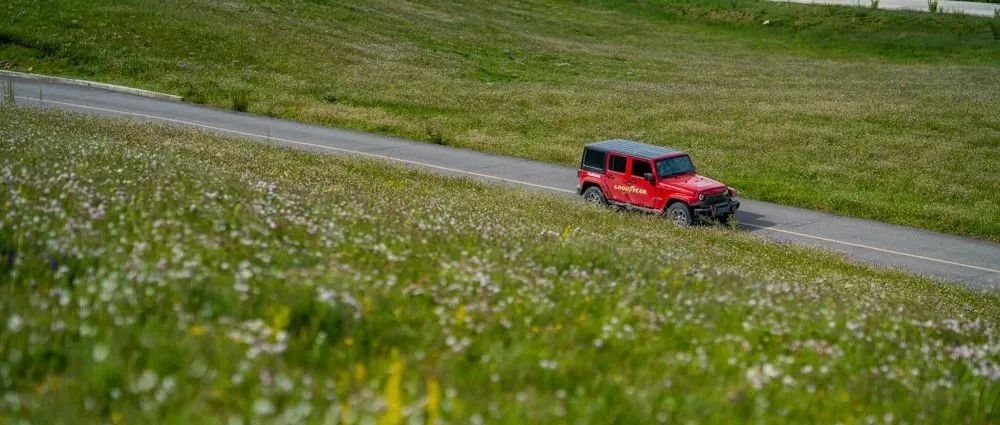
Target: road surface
974, 263
948, 6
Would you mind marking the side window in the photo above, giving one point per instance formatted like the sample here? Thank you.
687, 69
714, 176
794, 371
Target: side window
617, 164
640, 168
593, 160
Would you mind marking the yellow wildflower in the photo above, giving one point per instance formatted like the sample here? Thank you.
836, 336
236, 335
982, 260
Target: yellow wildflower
359, 372
433, 401
393, 394
197, 330
280, 318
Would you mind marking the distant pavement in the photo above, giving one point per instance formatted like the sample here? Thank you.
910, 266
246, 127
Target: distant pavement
972, 262
948, 6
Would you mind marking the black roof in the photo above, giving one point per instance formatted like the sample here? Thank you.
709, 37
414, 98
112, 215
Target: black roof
632, 148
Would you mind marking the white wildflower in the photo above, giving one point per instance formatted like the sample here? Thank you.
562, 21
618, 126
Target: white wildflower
146, 382
100, 352
14, 323
263, 407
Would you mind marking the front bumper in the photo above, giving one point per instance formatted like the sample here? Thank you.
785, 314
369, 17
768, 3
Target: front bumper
718, 209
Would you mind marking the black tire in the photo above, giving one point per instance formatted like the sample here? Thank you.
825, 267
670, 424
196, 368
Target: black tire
595, 196
679, 214
725, 219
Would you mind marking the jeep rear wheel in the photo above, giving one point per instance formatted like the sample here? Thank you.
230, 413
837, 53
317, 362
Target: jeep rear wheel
594, 196
679, 213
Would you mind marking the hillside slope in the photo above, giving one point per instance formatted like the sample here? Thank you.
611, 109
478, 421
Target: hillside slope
159, 275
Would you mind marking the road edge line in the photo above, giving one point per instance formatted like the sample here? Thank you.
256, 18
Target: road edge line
91, 84
312, 145
406, 161
873, 248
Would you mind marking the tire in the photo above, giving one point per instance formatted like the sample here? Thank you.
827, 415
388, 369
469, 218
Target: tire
594, 196
679, 214
725, 219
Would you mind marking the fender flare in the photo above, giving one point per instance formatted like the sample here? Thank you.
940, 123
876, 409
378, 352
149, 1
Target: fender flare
673, 199
593, 182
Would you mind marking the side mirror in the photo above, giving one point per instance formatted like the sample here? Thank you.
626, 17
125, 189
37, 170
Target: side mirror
649, 178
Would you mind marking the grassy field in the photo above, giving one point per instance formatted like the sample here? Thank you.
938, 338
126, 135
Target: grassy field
156, 275
881, 114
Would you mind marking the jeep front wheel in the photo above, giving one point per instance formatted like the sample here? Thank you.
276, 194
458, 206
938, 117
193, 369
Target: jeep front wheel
594, 195
679, 213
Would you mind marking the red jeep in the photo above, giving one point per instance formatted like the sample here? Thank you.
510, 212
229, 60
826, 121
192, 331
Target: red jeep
653, 179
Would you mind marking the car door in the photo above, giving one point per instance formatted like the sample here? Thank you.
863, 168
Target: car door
640, 191
617, 180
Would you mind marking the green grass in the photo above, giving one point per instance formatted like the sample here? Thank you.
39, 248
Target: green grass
889, 115
151, 274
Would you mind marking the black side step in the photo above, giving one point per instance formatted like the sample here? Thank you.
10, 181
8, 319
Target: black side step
631, 207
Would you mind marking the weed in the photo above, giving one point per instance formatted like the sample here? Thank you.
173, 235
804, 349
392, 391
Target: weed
434, 129
933, 7
44, 46
192, 94
874, 4
15, 17
272, 110
330, 97
240, 100
8, 93
995, 24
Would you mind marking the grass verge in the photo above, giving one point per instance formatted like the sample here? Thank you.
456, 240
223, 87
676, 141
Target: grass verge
152, 274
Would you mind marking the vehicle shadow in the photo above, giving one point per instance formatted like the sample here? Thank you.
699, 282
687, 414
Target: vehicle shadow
750, 221
745, 221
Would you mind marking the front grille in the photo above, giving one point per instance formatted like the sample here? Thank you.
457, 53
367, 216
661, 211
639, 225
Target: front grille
715, 199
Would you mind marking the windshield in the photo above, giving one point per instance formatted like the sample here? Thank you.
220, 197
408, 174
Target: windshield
673, 166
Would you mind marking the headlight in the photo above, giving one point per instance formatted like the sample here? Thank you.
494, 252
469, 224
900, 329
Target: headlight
725, 192
701, 196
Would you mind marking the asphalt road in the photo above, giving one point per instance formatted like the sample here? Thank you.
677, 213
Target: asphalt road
974, 263
948, 6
